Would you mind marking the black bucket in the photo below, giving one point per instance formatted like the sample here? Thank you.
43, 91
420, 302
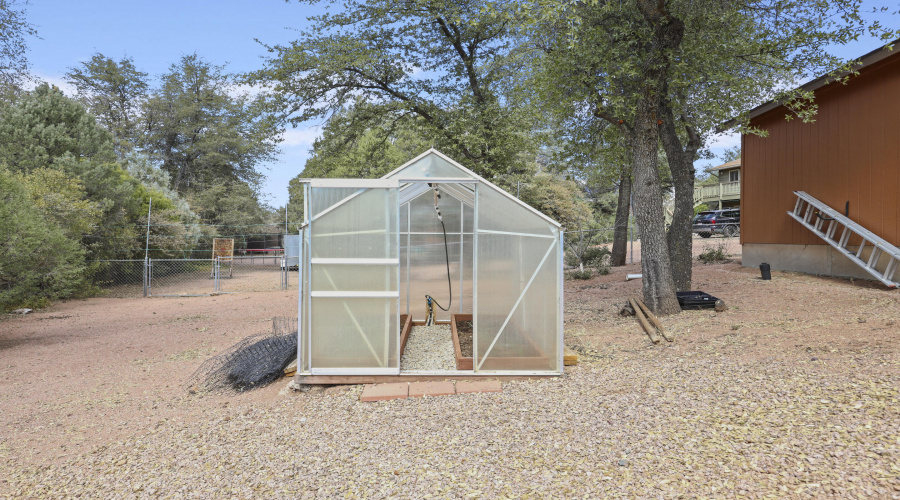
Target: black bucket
764, 270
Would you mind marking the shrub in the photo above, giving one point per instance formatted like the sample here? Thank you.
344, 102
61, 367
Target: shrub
582, 275
38, 263
714, 254
604, 264
593, 256
571, 259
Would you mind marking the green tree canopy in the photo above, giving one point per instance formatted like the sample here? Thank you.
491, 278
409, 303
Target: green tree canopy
45, 125
38, 262
115, 93
451, 64
14, 31
202, 132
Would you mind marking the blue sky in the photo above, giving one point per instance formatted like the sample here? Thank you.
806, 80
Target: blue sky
157, 33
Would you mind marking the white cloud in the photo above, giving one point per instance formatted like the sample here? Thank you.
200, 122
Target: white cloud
301, 136
725, 141
57, 80
235, 90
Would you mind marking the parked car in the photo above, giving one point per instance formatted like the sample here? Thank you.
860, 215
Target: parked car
726, 222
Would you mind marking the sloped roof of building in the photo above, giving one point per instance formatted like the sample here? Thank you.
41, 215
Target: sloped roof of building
867, 60
726, 166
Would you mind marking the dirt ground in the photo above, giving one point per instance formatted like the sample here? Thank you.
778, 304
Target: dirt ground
84, 373
87, 381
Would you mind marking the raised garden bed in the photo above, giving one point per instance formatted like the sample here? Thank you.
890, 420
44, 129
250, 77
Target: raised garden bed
461, 327
405, 328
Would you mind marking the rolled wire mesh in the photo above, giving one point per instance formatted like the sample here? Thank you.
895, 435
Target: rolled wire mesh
255, 361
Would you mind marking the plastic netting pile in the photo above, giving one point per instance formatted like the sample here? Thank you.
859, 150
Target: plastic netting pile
253, 362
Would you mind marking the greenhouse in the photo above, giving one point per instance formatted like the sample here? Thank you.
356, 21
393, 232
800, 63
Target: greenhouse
430, 243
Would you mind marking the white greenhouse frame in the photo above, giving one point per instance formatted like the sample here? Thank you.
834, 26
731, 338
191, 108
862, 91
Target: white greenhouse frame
370, 248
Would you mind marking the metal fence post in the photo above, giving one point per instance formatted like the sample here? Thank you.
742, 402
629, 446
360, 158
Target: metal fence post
146, 275
631, 231
216, 275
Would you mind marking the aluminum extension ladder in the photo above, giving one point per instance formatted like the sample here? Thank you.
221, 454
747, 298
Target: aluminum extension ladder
807, 208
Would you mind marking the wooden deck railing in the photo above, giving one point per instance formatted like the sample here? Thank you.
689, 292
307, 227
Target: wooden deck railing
716, 192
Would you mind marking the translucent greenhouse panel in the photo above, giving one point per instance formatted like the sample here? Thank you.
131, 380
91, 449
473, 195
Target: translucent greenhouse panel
518, 307
404, 217
466, 289
430, 165
323, 199
303, 320
423, 218
428, 275
404, 272
354, 278
353, 281
363, 226
499, 213
353, 333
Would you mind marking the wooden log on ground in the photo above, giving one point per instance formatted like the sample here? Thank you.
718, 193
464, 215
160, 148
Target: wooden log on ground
653, 319
570, 357
651, 332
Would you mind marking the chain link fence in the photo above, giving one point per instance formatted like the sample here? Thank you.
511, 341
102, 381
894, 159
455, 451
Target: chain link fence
258, 273
180, 277
120, 278
705, 248
193, 277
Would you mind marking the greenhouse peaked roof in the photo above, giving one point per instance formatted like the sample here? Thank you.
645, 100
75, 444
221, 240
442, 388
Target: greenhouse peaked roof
436, 165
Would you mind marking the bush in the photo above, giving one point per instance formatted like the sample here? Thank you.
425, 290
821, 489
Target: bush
604, 264
570, 259
38, 263
593, 256
582, 275
714, 254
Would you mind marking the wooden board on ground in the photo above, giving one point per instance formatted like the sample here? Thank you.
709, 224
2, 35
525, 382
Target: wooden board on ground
570, 357
291, 368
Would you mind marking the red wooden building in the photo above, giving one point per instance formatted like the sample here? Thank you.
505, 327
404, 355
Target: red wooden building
849, 159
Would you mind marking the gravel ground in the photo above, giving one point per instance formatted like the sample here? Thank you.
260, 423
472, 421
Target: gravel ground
793, 392
609, 428
429, 348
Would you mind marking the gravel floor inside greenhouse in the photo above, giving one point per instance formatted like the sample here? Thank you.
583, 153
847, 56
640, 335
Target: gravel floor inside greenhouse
797, 397
429, 348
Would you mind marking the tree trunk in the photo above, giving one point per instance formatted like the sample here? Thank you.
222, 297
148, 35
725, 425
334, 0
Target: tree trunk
658, 285
659, 288
623, 209
681, 165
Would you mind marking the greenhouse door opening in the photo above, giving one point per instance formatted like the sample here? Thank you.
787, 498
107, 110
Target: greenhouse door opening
436, 247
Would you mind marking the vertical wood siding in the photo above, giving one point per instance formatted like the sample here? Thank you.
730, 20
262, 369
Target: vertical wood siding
850, 153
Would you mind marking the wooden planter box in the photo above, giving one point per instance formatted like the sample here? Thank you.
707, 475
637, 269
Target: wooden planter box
461, 362
466, 363
406, 321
